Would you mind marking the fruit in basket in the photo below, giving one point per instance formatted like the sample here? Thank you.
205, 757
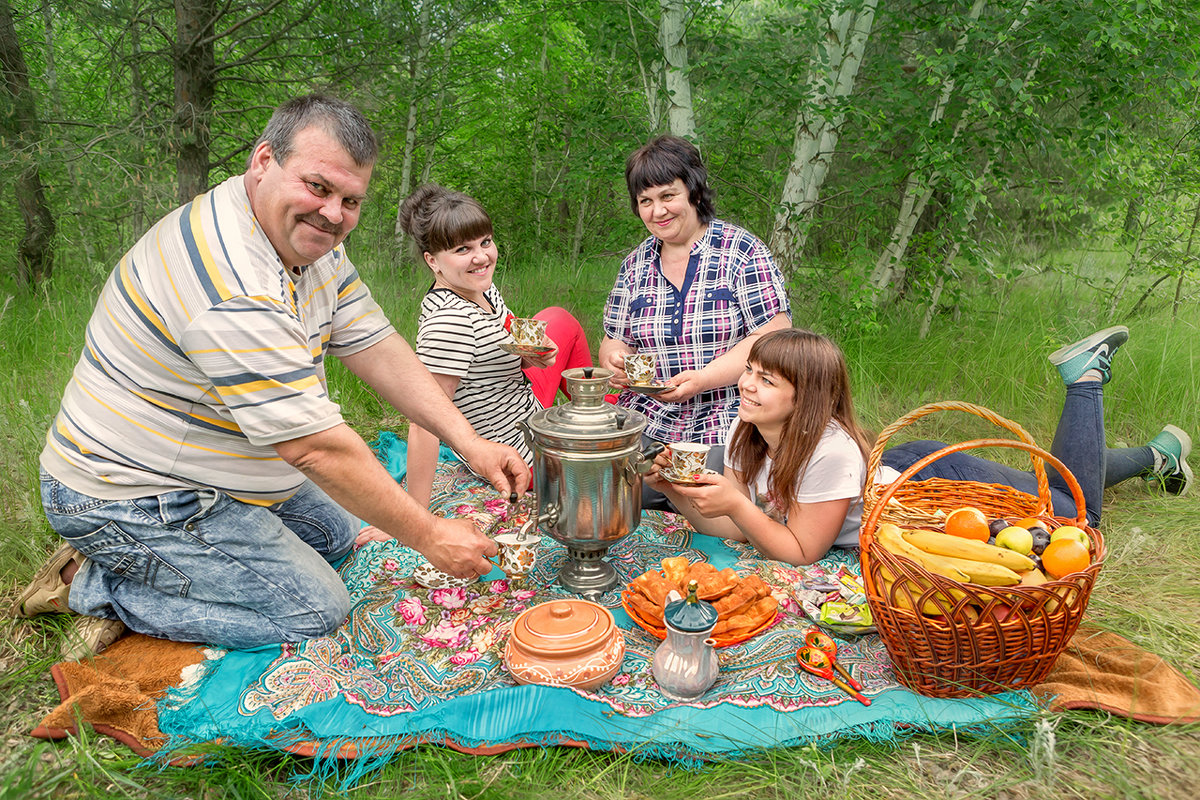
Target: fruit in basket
1071, 532
997, 525
943, 544
889, 536
1016, 539
969, 523
1065, 556
1041, 538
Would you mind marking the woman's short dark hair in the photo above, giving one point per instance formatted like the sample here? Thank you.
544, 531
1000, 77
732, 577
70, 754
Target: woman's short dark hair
438, 219
663, 159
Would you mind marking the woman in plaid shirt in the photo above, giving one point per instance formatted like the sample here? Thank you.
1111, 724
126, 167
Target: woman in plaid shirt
696, 294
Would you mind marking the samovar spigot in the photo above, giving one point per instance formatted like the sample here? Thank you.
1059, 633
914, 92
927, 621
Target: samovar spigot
549, 518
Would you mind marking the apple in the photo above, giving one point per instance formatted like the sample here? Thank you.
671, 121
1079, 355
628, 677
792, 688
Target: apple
1072, 532
1015, 538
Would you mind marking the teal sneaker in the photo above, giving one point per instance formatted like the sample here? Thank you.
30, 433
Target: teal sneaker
1094, 352
1173, 473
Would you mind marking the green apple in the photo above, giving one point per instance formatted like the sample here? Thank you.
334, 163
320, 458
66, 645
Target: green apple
1071, 532
1015, 538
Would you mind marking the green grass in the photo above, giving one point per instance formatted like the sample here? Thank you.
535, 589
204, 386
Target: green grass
990, 349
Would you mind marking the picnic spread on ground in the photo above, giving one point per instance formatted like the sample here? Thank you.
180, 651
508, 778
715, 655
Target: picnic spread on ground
413, 665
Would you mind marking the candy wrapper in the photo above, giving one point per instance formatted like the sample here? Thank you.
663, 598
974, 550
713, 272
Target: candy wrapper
846, 617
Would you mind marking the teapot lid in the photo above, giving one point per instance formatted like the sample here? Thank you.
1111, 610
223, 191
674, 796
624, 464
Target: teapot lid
563, 628
690, 615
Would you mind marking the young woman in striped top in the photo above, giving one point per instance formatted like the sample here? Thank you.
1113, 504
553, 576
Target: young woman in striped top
463, 321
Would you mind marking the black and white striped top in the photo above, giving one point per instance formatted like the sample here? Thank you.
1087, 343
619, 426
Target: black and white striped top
457, 337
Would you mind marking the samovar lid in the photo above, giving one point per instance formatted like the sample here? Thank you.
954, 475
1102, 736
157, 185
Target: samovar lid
587, 416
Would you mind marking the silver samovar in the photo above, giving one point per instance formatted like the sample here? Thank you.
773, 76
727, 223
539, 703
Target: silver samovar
587, 477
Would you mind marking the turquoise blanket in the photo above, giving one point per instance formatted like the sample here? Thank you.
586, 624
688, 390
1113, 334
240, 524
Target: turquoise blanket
413, 666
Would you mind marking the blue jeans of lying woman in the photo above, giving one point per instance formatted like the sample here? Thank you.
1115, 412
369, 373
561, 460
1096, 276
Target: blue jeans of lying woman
199, 566
1078, 443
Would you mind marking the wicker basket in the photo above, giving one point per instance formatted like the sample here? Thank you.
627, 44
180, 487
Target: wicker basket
948, 639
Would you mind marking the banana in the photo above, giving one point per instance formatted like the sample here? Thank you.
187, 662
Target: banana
981, 572
891, 538
944, 544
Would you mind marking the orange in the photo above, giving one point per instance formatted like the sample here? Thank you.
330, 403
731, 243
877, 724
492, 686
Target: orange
969, 523
1064, 557
1028, 523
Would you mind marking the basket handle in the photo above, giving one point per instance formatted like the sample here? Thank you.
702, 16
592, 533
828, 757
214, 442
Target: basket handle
1076, 491
1039, 467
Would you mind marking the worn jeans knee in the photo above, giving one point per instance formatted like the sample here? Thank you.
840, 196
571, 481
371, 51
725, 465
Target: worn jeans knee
197, 565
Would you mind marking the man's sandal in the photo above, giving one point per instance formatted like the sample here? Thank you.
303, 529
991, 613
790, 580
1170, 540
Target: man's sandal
87, 636
47, 593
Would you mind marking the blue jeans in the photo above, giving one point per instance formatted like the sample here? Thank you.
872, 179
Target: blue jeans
199, 566
1078, 443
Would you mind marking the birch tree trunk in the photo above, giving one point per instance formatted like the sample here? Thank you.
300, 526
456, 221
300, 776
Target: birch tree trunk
416, 74
918, 188
649, 77
20, 127
832, 71
671, 29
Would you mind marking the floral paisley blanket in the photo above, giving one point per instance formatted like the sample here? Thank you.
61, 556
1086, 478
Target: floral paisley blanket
413, 665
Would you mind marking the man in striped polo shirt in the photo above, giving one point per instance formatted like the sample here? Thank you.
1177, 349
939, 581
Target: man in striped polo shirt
198, 471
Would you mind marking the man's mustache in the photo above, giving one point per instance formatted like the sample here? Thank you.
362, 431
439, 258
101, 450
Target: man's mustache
318, 221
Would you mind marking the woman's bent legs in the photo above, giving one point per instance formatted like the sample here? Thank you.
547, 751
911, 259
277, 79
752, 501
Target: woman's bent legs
567, 334
197, 565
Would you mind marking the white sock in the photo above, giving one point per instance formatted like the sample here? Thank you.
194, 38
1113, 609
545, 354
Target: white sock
1091, 375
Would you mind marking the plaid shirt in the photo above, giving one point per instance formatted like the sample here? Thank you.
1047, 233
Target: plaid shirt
732, 287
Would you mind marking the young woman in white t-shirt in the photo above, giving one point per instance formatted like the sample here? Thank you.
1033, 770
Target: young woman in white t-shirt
795, 458
463, 322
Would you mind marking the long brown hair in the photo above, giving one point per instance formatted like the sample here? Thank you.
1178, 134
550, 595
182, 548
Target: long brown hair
439, 219
816, 369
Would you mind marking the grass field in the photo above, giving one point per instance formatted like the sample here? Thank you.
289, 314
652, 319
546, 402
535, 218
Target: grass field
990, 349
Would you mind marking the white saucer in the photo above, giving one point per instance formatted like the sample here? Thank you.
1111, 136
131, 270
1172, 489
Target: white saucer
524, 349
431, 577
650, 388
669, 476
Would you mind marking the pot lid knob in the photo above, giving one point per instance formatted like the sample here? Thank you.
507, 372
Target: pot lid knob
691, 615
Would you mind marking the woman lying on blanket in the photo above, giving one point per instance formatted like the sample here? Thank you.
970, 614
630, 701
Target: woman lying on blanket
795, 459
463, 322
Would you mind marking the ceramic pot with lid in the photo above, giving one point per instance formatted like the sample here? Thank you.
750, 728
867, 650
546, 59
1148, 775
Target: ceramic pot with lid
587, 476
567, 642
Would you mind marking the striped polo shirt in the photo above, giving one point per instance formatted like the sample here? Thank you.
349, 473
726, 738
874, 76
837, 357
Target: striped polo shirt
204, 351
456, 337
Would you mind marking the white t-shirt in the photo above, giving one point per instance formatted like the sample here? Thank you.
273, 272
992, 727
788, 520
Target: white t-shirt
836, 471
456, 337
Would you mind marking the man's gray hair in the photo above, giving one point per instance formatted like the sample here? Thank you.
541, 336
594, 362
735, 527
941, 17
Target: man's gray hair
339, 119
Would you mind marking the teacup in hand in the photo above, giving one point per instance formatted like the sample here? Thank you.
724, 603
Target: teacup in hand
517, 555
688, 458
528, 332
640, 368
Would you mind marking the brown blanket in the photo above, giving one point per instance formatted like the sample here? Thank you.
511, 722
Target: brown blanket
1102, 670
117, 692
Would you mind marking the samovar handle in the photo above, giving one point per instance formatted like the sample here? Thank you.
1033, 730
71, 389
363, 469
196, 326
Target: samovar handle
526, 432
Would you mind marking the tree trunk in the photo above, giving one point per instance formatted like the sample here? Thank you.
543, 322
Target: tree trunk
649, 77
35, 261
416, 73
917, 189
833, 69
671, 29
57, 105
195, 86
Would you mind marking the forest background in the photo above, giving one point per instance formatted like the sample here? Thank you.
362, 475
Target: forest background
953, 189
